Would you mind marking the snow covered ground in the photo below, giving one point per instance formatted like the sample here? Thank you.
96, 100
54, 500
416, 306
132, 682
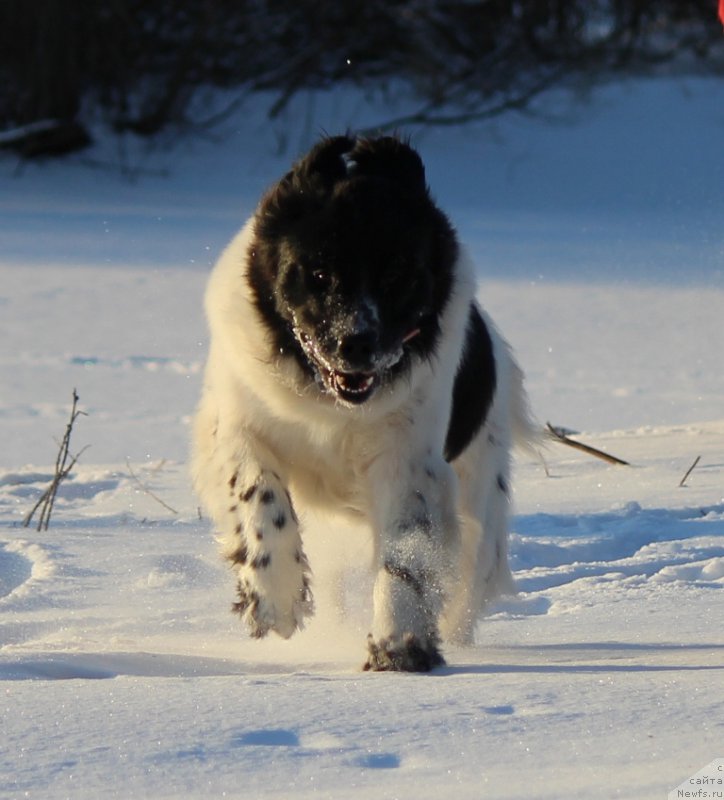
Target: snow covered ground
122, 674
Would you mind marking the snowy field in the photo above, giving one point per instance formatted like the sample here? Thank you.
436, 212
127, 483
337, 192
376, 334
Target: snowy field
123, 674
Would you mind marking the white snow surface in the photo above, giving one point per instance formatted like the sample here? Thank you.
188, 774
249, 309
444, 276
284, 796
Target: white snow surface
122, 672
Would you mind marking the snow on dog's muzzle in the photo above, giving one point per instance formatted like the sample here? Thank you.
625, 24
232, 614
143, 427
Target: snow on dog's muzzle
354, 374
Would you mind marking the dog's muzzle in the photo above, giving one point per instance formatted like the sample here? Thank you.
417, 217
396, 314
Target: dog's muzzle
355, 369
352, 369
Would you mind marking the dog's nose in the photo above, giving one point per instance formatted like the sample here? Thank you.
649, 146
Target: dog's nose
358, 349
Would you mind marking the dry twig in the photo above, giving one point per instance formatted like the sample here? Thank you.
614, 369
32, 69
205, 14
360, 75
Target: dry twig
561, 437
63, 466
682, 482
146, 490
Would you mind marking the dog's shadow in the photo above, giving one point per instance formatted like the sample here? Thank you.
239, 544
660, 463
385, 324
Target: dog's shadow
589, 658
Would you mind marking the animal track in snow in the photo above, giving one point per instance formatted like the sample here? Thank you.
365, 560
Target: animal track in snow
314, 744
549, 550
272, 737
181, 570
82, 484
15, 569
378, 761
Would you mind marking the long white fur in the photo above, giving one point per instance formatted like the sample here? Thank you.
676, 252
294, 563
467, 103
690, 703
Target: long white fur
381, 461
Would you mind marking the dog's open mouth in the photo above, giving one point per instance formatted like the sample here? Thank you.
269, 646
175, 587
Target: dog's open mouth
351, 387
354, 387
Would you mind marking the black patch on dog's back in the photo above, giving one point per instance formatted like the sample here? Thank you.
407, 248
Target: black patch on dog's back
474, 387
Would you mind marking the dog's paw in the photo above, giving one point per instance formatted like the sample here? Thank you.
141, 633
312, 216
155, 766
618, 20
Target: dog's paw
252, 610
405, 654
290, 616
262, 615
264, 545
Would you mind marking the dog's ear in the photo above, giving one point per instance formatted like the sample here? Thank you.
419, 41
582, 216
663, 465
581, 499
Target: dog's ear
339, 157
392, 159
335, 160
325, 163
309, 180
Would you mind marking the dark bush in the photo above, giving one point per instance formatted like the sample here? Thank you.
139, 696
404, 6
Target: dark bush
137, 65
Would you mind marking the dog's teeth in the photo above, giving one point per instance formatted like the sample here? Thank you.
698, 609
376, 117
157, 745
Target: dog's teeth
354, 385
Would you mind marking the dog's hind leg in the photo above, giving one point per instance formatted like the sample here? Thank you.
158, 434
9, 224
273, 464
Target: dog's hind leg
483, 570
259, 534
484, 471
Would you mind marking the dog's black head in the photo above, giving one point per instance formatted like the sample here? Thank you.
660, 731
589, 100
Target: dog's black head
352, 264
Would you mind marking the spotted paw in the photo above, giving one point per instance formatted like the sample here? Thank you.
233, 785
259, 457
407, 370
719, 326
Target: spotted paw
264, 545
262, 614
405, 654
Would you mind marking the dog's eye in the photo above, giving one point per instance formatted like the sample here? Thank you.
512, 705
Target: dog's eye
321, 279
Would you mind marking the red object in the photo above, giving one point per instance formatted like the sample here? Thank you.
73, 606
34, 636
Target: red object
721, 11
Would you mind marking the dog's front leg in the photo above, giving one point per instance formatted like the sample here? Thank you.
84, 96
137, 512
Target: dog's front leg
259, 534
417, 536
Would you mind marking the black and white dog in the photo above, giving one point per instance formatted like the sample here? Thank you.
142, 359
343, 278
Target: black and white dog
351, 369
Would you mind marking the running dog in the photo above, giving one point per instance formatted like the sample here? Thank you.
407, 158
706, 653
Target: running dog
351, 369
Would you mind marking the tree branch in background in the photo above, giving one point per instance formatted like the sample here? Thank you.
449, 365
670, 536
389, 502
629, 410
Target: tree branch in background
560, 436
150, 68
64, 463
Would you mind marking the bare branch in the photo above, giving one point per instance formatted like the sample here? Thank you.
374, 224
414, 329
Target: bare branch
62, 470
544, 462
682, 482
561, 437
146, 490
444, 114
